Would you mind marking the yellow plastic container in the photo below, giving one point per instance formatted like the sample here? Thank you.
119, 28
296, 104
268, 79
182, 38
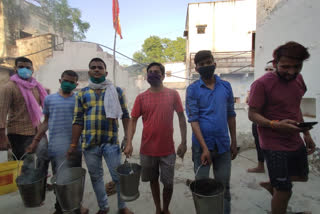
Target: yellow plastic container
8, 174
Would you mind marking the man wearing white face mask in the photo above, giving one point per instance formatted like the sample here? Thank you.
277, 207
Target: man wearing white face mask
20, 99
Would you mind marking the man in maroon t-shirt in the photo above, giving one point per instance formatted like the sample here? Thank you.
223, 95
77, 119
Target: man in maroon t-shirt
274, 105
157, 106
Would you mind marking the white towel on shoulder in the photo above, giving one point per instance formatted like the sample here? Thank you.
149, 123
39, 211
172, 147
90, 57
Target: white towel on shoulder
112, 105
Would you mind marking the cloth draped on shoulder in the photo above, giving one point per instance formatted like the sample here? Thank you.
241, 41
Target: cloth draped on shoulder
111, 101
32, 105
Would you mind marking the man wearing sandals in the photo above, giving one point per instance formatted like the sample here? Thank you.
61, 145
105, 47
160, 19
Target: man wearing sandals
97, 110
210, 110
58, 110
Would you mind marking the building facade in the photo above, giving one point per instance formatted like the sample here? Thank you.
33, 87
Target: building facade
281, 21
227, 28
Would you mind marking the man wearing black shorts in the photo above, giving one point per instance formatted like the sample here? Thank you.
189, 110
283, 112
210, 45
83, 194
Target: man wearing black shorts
274, 105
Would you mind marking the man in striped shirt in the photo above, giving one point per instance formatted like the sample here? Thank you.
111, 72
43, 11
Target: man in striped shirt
58, 110
98, 108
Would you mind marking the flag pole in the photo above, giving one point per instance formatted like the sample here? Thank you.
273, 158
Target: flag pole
114, 57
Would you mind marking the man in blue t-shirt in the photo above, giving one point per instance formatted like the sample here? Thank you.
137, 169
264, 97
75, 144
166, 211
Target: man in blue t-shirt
210, 110
58, 110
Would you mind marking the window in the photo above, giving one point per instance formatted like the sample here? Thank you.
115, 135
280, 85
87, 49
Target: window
201, 29
308, 107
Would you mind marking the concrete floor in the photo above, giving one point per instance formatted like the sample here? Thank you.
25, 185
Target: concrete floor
247, 196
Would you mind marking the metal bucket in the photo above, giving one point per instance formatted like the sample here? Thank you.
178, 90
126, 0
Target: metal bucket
33, 193
68, 185
129, 176
207, 196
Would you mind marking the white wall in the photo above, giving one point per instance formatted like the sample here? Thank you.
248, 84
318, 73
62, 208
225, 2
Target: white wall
177, 69
229, 25
280, 21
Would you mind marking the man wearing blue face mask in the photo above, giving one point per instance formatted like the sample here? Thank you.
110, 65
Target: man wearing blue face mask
21, 99
210, 110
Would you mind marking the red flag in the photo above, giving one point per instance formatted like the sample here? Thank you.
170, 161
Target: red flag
115, 14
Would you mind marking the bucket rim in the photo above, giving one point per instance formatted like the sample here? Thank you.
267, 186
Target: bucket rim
206, 196
55, 177
119, 173
19, 184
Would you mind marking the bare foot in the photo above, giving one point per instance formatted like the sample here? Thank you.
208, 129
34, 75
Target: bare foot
159, 212
267, 186
256, 170
125, 211
166, 212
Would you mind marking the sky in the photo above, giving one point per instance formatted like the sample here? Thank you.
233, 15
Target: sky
139, 19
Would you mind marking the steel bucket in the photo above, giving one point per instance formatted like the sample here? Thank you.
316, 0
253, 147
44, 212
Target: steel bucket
33, 193
68, 185
129, 176
207, 196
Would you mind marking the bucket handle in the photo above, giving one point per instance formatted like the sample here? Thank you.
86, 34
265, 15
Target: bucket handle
198, 170
130, 164
196, 176
19, 160
58, 169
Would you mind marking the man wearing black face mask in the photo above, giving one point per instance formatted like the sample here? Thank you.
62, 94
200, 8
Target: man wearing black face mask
274, 105
210, 110
157, 152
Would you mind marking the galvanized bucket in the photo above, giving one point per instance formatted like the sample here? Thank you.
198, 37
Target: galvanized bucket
129, 176
33, 193
32, 189
207, 196
69, 187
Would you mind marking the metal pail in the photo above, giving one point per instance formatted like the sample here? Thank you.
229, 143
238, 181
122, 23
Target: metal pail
129, 176
33, 193
207, 196
68, 185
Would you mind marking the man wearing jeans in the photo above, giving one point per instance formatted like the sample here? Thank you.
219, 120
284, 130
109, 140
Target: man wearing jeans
96, 114
210, 110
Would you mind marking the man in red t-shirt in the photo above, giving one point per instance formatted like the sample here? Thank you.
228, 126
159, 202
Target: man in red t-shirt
156, 106
274, 105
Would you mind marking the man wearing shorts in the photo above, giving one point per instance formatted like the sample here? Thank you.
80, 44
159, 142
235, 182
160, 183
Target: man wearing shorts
157, 151
274, 105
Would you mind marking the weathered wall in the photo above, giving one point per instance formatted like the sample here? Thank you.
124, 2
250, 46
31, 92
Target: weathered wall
36, 44
280, 21
76, 56
240, 84
229, 24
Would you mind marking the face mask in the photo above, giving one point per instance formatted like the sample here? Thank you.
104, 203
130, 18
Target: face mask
67, 87
24, 73
206, 72
98, 80
154, 79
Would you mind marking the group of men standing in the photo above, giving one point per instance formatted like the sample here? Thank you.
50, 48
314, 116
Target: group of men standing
87, 122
